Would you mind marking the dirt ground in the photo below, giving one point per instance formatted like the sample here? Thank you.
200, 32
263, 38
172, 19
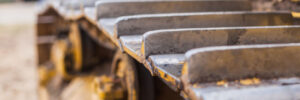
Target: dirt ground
18, 76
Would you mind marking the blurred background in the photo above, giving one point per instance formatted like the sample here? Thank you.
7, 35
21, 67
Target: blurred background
18, 76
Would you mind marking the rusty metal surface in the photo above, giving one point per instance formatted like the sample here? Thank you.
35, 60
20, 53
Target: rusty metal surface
171, 63
172, 41
117, 8
134, 25
267, 90
169, 68
238, 62
174, 27
132, 44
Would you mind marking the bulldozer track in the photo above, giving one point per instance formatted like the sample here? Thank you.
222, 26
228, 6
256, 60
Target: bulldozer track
201, 49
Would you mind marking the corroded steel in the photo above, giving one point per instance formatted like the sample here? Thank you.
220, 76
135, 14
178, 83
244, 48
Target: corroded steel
266, 90
188, 44
238, 62
117, 8
124, 69
175, 41
134, 25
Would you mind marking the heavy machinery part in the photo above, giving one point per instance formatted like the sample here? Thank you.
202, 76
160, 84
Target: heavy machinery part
127, 34
76, 49
109, 89
46, 73
168, 68
106, 24
261, 61
253, 58
82, 51
82, 88
66, 52
295, 8
276, 89
46, 28
167, 46
134, 25
124, 70
117, 8
93, 32
174, 41
60, 58
92, 53
92, 88
136, 81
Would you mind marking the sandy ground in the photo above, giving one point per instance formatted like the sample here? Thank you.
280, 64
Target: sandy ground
18, 76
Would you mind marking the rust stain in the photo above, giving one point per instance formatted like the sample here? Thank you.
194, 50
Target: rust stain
222, 83
251, 81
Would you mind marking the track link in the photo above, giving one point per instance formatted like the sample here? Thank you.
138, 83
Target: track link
201, 49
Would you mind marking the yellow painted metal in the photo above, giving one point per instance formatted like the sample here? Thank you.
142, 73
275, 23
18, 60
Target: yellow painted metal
296, 14
167, 77
184, 68
250, 81
124, 70
127, 73
45, 75
115, 95
58, 53
108, 90
93, 88
81, 88
76, 50
60, 49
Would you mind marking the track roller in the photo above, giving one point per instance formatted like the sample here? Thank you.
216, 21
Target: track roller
124, 70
